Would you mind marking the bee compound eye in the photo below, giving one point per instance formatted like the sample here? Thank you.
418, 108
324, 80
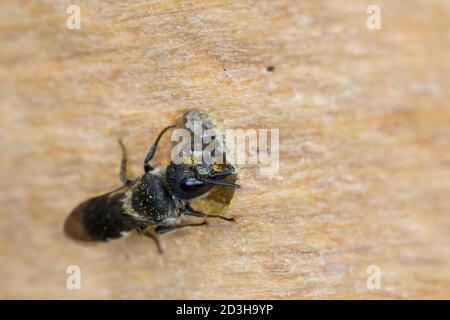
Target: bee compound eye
190, 184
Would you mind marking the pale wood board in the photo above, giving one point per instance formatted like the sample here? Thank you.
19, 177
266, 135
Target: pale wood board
363, 116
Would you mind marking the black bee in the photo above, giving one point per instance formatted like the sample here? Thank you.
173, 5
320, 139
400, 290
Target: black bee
155, 203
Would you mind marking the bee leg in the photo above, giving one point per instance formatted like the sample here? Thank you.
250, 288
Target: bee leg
123, 165
149, 232
167, 228
189, 211
152, 150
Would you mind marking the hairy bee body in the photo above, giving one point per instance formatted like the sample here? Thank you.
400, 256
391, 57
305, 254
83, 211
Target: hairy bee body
155, 203
142, 202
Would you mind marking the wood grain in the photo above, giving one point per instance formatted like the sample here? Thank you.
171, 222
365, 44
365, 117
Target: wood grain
364, 124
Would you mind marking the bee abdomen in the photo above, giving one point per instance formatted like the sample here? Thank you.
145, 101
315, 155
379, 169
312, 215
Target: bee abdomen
98, 219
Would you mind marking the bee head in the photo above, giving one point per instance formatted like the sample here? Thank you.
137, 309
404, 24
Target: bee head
188, 181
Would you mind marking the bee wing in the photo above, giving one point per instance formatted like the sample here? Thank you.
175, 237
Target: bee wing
99, 218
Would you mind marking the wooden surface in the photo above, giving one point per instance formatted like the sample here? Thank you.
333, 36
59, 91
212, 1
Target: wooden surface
364, 124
